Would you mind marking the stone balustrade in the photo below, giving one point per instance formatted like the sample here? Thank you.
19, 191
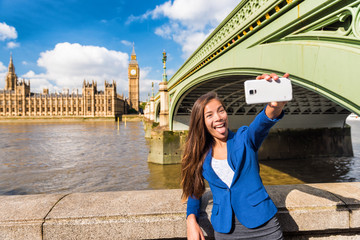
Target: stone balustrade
309, 211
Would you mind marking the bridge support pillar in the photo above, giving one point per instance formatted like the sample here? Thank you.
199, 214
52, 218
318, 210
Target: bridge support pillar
152, 109
164, 104
148, 125
166, 147
146, 111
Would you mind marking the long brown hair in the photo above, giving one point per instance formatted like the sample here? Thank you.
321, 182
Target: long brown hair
197, 145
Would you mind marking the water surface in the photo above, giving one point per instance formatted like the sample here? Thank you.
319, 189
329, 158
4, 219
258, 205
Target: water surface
96, 156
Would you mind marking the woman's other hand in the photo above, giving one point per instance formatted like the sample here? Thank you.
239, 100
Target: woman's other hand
273, 109
193, 229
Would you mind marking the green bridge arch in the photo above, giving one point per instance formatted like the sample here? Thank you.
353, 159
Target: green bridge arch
316, 41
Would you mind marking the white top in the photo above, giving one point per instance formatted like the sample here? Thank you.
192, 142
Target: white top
223, 170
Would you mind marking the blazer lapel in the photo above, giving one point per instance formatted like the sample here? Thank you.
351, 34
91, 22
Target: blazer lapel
229, 147
235, 156
209, 174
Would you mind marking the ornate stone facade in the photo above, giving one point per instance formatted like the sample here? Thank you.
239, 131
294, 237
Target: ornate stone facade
17, 100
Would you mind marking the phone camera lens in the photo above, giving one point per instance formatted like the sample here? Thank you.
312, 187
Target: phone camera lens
251, 92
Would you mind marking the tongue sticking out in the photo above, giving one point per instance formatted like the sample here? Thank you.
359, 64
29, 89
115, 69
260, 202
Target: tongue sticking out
221, 129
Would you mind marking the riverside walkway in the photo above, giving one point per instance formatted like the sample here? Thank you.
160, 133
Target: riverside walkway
307, 211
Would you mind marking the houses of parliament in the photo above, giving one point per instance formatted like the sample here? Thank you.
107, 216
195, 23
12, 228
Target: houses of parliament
17, 99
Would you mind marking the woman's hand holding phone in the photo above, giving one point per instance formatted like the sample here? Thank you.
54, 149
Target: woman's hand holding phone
273, 109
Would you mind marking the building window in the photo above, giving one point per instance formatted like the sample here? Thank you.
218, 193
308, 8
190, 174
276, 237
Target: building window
13, 109
37, 109
27, 109
7, 109
53, 109
1, 109
20, 109
1, 102
89, 109
59, 109
32, 109
109, 108
79, 108
89, 101
20, 102
43, 109
64, 109
109, 101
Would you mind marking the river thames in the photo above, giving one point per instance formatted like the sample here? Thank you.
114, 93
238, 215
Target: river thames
95, 156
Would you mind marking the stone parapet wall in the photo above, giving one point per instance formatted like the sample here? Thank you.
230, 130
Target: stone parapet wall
309, 211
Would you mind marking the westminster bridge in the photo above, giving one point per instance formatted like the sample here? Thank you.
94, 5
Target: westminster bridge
316, 41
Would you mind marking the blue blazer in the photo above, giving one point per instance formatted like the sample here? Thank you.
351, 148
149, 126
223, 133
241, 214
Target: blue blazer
246, 197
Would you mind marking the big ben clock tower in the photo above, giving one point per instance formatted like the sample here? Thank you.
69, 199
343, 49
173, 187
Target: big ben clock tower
134, 75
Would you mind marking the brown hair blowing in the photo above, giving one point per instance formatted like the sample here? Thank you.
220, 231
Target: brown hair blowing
197, 145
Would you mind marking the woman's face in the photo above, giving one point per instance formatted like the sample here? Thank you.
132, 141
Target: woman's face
216, 120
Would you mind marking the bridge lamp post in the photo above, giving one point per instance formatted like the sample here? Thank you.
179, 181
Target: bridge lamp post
164, 97
152, 103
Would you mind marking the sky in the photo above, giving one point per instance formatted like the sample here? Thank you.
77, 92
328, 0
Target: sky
58, 44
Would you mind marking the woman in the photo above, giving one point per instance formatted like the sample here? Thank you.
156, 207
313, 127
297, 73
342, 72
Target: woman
242, 209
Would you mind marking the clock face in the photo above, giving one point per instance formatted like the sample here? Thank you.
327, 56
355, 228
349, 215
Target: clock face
133, 72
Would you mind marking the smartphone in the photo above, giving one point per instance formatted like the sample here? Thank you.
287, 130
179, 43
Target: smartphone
263, 91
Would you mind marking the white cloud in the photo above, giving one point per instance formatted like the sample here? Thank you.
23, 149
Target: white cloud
166, 30
2, 83
12, 45
29, 74
146, 88
67, 65
145, 83
188, 39
38, 82
7, 32
170, 72
3, 71
190, 22
141, 18
126, 43
195, 14
2, 67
